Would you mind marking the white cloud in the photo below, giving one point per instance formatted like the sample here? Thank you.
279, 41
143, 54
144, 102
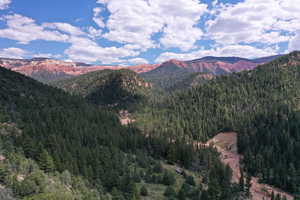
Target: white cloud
295, 42
86, 50
24, 30
97, 17
102, 1
136, 21
13, 52
245, 51
4, 4
138, 61
64, 27
82, 47
94, 33
46, 55
254, 21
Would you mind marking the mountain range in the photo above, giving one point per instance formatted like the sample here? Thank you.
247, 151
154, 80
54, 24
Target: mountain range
45, 69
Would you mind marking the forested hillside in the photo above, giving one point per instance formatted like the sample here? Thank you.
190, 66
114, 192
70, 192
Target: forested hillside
120, 89
261, 105
166, 76
58, 146
193, 80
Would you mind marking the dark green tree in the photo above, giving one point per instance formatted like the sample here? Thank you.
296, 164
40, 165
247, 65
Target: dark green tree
46, 162
144, 191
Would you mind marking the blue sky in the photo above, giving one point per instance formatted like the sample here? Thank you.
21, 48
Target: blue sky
129, 32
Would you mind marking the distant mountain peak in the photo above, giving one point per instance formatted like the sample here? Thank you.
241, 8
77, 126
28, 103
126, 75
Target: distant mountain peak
40, 59
219, 59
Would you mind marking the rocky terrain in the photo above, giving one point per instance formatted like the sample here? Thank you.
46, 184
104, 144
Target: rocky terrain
45, 69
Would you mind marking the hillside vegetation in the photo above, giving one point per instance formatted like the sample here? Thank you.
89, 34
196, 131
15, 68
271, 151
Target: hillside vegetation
261, 105
166, 76
121, 88
58, 146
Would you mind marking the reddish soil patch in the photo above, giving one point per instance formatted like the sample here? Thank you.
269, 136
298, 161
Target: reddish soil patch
125, 117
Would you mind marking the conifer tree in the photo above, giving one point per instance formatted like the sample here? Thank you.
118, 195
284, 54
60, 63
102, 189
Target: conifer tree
46, 162
241, 181
248, 185
144, 191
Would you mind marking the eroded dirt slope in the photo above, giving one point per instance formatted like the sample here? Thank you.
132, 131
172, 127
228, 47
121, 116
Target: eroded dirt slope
226, 144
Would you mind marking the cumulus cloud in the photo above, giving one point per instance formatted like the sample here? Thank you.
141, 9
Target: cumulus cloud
254, 21
94, 33
98, 18
137, 21
13, 52
82, 47
138, 61
46, 55
86, 50
24, 30
137, 25
245, 51
4, 4
295, 42
64, 27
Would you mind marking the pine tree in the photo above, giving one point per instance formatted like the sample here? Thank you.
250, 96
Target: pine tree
181, 194
116, 194
190, 180
242, 181
248, 184
168, 178
3, 174
278, 197
46, 162
272, 195
144, 191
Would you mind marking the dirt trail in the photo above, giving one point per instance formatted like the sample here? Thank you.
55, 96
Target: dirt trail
226, 144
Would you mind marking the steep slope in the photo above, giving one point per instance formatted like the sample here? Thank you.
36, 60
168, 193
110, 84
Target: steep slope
262, 106
120, 89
